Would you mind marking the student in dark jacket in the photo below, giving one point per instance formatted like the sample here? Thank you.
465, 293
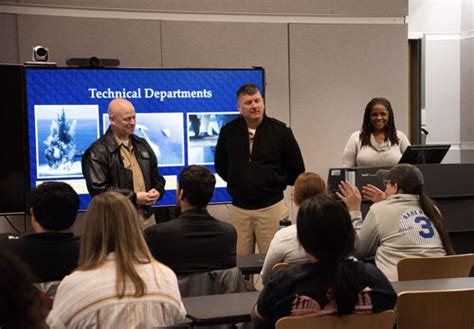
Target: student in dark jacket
51, 251
195, 241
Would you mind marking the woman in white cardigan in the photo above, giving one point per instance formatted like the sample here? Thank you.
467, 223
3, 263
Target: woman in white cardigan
378, 143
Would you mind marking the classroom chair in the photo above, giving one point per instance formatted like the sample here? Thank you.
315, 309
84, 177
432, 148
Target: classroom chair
438, 309
383, 320
422, 268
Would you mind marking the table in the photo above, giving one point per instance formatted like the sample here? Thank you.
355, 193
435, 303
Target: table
250, 264
219, 309
234, 308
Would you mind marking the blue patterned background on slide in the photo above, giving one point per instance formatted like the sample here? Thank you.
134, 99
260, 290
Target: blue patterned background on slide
67, 111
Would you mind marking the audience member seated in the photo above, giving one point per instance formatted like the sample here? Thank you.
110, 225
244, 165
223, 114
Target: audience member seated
406, 223
285, 246
51, 251
118, 284
20, 302
195, 241
332, 282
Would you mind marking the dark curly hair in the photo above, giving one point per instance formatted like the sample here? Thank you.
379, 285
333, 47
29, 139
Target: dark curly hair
20, 302
389, 129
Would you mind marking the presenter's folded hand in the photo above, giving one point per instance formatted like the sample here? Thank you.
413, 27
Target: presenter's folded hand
144, 199
153, 194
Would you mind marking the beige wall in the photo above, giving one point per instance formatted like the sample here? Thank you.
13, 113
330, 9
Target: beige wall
135, 42
335, 71
216, 44
8, 38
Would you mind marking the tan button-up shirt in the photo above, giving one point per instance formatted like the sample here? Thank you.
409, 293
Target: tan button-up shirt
130, 162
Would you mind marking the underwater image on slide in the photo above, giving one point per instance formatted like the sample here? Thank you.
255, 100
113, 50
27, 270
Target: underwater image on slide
164, 132
203, 131
63, 133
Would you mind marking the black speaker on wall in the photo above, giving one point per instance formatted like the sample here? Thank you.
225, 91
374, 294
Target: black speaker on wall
93, 62
13, 142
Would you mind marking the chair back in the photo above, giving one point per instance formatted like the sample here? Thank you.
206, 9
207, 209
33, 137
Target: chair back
383, 320
212, 283
279, 266
436, 309
422, 268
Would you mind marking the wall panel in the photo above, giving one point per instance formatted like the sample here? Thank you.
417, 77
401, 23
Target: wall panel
467, 81
9, 39
335, 71
136, 43
442, 96
221, 45
467, 100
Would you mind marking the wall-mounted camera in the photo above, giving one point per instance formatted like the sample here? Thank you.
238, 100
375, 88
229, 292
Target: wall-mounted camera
93, 62
40, 57
40, 54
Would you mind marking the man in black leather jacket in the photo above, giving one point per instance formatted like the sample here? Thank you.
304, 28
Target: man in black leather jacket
122, 162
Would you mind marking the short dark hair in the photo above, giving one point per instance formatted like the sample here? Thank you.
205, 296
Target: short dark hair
197, 184
247, 89
324, 229
54, 205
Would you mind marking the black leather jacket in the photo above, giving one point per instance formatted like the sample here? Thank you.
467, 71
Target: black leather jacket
103, 168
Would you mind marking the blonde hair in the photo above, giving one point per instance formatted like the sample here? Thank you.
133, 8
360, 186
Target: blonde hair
307, 185
112, 225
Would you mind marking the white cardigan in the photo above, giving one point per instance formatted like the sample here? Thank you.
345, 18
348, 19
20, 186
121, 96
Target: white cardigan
367, 156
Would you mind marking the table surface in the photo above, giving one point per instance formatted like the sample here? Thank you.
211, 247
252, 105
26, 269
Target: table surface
250, 264
218, 309
234, 308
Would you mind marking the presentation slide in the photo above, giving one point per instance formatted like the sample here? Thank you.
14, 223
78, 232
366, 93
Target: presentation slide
179, 112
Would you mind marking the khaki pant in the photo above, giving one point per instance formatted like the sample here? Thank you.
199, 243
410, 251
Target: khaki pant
260, 225
147, 222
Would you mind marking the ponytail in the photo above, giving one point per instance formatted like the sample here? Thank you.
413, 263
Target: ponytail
346, 286
430, 210
324, 230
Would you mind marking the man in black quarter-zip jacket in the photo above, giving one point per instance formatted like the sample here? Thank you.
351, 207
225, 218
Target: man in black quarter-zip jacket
258, 157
